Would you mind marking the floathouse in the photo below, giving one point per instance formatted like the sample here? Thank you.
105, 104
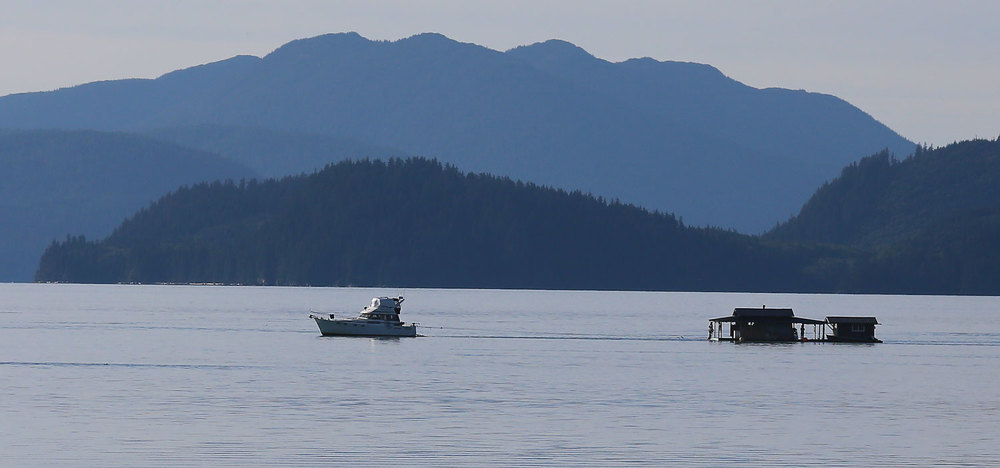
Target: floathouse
781, 325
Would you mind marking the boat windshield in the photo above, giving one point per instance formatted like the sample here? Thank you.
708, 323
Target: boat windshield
386, 317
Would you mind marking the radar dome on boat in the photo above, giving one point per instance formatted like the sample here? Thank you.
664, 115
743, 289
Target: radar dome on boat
385, 304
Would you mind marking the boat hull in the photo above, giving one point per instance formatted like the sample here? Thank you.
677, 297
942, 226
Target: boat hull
364, 328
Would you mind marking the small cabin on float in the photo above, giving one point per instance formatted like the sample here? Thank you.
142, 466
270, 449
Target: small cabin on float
781, 325
763, 324
852, 329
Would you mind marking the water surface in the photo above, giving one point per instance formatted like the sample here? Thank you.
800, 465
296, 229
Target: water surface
236, 376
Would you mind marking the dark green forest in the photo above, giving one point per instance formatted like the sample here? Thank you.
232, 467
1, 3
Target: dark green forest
929, 223
418, 223
926, 224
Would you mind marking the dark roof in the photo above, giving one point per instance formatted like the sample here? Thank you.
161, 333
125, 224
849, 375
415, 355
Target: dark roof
807, 320
864, 320
762, 312
744, 313
723, 319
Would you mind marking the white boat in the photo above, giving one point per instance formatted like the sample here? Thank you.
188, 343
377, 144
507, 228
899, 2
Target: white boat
380, 318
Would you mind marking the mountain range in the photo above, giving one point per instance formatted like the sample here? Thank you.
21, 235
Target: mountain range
670, 136
58, 182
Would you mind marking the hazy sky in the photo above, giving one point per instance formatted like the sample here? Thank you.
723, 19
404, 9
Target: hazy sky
928, 69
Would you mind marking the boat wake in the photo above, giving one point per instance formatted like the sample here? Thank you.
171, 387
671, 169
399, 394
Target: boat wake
456, 332
120, 364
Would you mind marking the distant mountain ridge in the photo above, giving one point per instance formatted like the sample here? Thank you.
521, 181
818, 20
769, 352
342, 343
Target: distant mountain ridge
57, 182
698, 97
665, 135
272, 153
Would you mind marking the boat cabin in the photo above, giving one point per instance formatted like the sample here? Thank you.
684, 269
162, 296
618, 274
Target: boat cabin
852, 329
763, 324
383, 308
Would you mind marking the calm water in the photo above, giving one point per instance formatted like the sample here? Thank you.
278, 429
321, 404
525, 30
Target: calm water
188, 375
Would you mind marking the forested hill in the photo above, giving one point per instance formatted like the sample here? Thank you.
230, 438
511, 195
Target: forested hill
931, 221
664, 135
54, 182
416, 223
881, 201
